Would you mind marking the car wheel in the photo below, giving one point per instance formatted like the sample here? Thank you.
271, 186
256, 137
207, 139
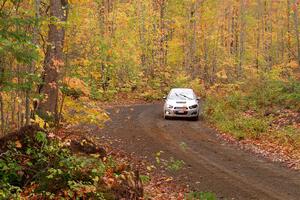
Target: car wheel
196, 118
166, 117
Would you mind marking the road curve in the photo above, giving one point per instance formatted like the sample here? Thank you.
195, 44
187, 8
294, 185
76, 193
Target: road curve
210, 164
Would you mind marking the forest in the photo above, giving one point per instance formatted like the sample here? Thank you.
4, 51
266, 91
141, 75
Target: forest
60, 57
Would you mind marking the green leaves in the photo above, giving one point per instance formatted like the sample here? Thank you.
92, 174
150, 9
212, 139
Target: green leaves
41, 137
51, 168
200, 196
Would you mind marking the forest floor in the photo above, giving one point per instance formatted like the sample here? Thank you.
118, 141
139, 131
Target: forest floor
197, 156
157, 184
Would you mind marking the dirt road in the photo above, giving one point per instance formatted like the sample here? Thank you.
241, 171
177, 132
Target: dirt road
210, 164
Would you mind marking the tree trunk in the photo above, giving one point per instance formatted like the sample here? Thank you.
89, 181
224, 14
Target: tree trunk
32, 66
141, 17
163, 35
289, 30
54, 59
13, 109
296, 23
191, 38
242, 37
2, 115
2, 71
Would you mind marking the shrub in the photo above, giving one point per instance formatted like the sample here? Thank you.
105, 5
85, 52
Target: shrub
83, 112
242, 112
47, 169
71, 92
270, 93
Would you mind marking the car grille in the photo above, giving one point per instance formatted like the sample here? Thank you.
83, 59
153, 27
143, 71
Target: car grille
181, 108
179, 113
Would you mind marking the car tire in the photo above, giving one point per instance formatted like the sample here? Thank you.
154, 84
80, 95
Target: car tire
166, 117
195, 118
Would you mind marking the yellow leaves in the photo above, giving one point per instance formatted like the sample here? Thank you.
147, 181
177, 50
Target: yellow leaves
79, 1
281, 72
83, 111
39, 121
222, 74
223, 89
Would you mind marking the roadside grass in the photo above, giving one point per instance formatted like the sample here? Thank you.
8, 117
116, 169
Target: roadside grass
255, 108
287, 135
170, 164
175, 165
232, 120
200, 196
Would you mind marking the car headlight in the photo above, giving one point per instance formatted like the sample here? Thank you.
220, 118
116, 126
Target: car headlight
193, 106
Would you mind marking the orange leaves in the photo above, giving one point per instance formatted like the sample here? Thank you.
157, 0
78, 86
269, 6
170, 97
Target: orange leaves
293, 64
295, 5
18, 144
110, 52
77, 84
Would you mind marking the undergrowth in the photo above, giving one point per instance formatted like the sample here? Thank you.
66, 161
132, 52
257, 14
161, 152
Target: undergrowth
44, 169
250, 109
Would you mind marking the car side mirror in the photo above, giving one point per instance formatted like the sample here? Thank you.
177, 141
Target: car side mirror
198, 98
164, 97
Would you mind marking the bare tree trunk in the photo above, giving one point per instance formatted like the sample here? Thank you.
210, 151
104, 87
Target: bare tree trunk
107, 32
53, 60
27, 107
2, 71
242, 37
13, 109
32, 66
205, 73
2, 115
269, 37
289, 30
296, 23
162, 34
19, 107
258, 32
263, 28
232, 31
191, 39
141, 17
228, 29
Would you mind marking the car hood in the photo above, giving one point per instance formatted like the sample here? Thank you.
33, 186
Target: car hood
180, 103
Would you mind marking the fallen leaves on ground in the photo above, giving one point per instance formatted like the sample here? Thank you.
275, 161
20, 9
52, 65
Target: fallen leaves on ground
158, 185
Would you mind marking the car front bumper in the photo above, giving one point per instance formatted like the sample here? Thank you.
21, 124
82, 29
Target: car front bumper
181, 113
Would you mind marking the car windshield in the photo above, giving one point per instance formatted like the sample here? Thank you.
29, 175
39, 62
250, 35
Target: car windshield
181, 95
